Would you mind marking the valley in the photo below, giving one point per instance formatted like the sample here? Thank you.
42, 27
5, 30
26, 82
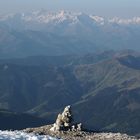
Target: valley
103, 88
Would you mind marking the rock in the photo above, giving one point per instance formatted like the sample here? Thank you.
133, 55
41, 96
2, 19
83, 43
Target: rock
63, 128
73, 128
79, 135
67, 116
79, 127
63, 121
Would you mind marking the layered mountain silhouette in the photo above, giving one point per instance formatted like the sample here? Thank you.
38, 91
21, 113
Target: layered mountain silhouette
64, 33
103, 88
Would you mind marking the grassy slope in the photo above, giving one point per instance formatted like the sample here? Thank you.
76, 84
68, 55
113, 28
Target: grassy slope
113, 99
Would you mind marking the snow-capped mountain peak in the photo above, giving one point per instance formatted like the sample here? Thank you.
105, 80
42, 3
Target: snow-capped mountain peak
41, 19
46, 17
98, 19
134, 20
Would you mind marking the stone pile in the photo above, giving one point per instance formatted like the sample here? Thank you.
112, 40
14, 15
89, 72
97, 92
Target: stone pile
65, 129
64, 122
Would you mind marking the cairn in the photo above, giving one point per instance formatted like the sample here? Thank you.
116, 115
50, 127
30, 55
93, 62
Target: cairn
64, 122
65, 129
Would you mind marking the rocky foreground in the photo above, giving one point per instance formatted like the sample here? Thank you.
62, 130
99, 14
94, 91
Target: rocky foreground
64, 129
78, 135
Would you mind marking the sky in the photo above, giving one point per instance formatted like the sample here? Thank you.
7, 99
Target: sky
106, 8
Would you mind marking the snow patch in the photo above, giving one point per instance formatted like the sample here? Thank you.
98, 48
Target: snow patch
19, 135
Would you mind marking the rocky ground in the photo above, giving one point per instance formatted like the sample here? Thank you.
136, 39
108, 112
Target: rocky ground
78, 135
64, 129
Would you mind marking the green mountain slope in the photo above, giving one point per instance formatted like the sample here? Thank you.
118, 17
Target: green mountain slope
113, 99
25, 87
105, 92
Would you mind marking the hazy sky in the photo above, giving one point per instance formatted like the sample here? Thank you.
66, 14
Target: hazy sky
108, 8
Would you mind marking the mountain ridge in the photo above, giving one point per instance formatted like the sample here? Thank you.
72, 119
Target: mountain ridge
44, 16
105, 91
64, 33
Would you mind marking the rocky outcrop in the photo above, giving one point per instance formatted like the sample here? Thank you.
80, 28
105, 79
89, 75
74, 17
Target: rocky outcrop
64, 128
78, 135
64, 122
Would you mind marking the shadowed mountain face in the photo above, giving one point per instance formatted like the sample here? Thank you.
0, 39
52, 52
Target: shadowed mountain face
131, 61
103, 88
23, 88
17, 121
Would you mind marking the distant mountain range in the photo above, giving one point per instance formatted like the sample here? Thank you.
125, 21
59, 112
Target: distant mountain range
61, 17
49, 60
102, 87
65, 33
